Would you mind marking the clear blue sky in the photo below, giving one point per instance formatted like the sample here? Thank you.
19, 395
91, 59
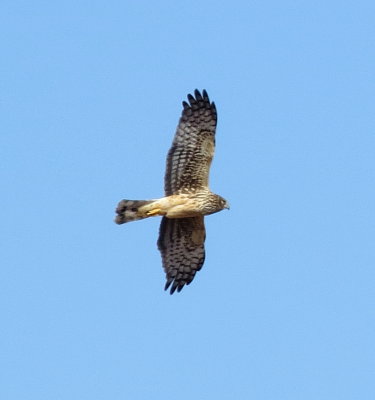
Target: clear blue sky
90, 95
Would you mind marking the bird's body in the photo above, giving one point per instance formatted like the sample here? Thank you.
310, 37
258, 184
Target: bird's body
187, 196
174, 206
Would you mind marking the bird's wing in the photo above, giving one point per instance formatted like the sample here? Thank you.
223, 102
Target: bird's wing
189, 158
181, 243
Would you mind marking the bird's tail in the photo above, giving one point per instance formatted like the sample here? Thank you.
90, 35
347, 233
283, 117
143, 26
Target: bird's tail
133, 210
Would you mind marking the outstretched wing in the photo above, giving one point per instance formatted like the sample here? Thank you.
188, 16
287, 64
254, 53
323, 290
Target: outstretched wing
189, 158
181, 243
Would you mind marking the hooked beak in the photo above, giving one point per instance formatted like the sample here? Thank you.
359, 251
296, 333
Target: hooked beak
227, 206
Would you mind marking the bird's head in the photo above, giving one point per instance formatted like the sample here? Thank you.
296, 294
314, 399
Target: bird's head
224, 203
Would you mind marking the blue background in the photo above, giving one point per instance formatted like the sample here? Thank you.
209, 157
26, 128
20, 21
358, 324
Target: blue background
90, 95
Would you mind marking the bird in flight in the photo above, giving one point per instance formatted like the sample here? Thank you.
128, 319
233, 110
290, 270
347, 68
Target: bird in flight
187, 195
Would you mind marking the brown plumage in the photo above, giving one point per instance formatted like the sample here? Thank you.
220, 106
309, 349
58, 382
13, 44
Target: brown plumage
187, 196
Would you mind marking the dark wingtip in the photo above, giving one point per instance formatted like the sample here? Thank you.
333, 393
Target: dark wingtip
191, 99
197, 94
167, 284
175, 286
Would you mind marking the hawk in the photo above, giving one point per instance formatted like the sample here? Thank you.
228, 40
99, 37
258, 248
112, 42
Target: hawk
187, 196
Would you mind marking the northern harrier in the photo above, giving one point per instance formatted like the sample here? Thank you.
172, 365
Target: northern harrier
187, 196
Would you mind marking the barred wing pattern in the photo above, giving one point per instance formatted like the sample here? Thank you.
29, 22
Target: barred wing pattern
181, 241
189, 158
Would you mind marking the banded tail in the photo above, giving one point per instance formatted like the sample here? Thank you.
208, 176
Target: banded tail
133, 210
